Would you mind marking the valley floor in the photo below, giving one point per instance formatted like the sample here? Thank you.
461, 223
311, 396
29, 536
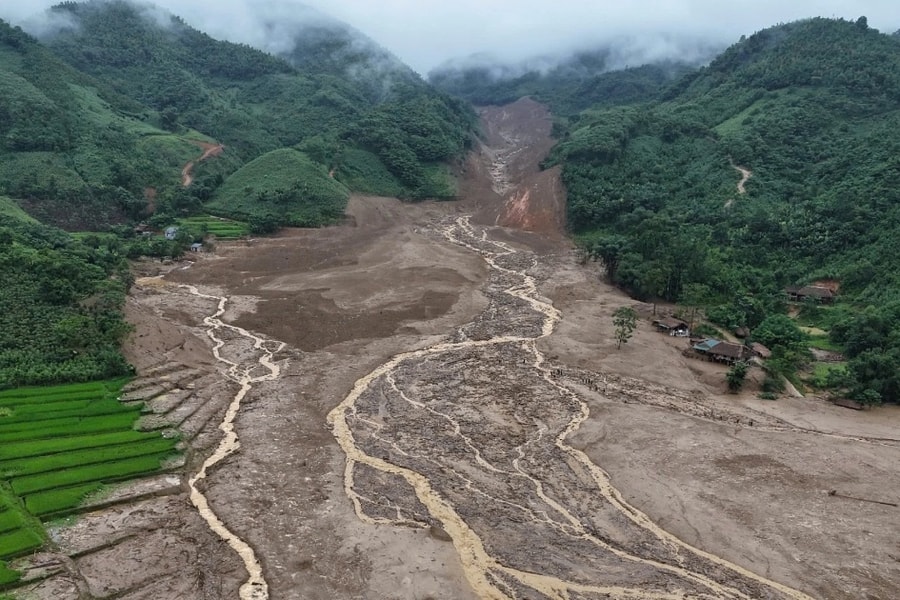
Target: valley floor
499, 445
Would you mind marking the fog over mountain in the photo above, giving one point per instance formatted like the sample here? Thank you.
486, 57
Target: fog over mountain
427, 33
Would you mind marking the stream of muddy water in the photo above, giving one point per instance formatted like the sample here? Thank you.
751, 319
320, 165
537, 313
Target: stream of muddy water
255, 588
469, 436
429, 432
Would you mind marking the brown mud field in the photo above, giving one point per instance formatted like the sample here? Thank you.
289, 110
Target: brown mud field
432, 406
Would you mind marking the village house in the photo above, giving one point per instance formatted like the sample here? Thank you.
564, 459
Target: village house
672, 326
171, 232
724, 352
197, 247
817, 293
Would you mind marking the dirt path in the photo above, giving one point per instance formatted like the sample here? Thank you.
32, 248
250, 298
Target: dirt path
209, 151
746, 174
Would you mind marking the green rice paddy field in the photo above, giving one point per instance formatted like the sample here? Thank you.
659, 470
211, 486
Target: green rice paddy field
223, 229
57, 446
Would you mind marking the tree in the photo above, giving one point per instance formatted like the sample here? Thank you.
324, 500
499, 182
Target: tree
735, 376
625, 320
695, 297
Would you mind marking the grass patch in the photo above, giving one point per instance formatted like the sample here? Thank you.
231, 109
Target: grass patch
42, 447
93, 409
821, 372
47, 400
7, 576
52, 391
11, 520
822, 342
68, 427
20, 541
10, 210
53, 462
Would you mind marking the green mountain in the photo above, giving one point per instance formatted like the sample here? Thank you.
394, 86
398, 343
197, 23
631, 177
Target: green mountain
100, 117
72, 150
811, 109
334, 88
117, 98
568, 86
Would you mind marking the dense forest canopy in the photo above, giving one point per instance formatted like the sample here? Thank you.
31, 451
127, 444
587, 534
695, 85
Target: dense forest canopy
580, 81
61, 302
811, 109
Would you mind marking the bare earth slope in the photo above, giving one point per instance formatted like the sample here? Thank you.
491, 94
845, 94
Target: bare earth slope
451, 420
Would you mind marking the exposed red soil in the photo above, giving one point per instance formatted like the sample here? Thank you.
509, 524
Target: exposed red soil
210, 150
503, 177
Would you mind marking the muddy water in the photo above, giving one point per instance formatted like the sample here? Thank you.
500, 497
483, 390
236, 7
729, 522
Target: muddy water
255, 588
490, 577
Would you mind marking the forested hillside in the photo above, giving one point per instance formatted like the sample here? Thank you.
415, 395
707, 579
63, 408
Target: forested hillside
61, 300
73, 151
583, 80
253, 102
811, 109
115, 99
100, 116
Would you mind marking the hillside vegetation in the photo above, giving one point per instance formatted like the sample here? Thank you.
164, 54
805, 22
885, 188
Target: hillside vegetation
99, 118
583, 80
318, 94
114, 100
73, 152
281, 187
61, 302
811, 109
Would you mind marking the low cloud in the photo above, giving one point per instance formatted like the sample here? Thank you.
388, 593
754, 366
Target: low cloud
426, 33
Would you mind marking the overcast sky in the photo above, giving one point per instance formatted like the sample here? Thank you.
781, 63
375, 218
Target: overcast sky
425, 33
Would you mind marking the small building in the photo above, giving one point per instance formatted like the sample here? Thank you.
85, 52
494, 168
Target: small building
672, 326
816, 293
760, 350
723, 352
171, 232
197, 247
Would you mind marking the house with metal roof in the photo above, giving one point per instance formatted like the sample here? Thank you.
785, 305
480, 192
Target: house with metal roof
724, 352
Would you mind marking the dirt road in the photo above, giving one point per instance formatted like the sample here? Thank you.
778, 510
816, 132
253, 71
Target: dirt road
451, 420
209, 151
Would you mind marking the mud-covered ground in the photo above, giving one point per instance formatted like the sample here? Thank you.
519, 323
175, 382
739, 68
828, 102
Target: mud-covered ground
452, 419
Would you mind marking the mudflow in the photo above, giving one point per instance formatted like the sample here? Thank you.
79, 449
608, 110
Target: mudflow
427, 402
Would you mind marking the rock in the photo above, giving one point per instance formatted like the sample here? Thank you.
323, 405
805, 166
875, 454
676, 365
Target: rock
438, 533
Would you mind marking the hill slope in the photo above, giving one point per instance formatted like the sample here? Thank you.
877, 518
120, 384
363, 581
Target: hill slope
75, 152
254, 102
810, 109
584, 79
100, 117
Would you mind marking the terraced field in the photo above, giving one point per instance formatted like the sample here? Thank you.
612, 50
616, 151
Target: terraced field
223, 229
59, 445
